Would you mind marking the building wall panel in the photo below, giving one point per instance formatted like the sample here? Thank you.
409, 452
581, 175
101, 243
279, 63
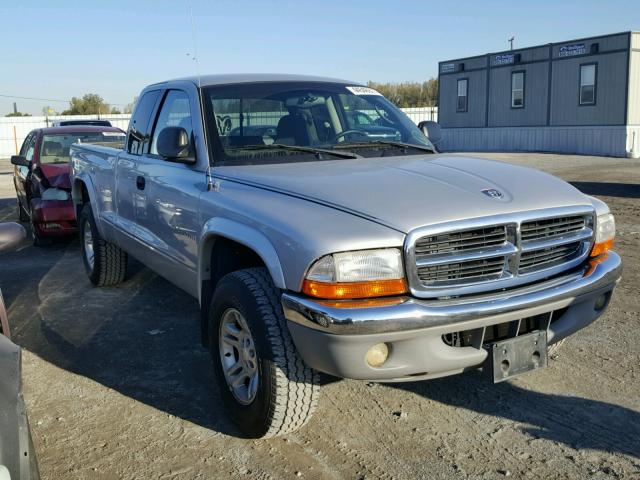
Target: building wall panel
475, 114
634, 89
610, 91
590, 140
608, 43
535, 54
536, 89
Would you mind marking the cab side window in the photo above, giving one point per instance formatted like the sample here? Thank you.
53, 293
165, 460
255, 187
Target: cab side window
138, 134
29, 146
175, 112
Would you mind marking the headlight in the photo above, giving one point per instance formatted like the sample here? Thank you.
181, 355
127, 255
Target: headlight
605, 234
55, 194
359, 274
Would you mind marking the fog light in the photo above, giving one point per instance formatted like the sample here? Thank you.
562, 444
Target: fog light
601, 302
377, 355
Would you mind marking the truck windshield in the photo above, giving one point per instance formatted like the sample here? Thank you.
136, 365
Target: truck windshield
55, 148
250, 123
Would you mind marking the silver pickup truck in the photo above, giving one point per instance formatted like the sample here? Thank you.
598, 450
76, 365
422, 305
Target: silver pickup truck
321, 231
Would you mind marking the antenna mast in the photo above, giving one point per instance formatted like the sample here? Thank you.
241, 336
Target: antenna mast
196, 59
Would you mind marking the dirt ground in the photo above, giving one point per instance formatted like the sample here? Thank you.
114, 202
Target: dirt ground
118, 386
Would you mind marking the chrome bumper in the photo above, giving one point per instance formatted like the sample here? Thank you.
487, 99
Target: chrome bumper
595, 276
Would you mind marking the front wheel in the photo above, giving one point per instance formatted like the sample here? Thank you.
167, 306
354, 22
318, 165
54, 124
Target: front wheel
267, 388
104, 262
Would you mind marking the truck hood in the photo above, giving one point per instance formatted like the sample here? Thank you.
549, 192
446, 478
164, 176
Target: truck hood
408, 192
57, 174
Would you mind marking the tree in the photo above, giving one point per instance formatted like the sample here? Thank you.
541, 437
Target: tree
89, 104
410, 94
115, 111
17, 114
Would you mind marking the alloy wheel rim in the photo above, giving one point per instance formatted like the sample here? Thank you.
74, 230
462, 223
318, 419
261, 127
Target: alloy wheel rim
88, 244
238, 356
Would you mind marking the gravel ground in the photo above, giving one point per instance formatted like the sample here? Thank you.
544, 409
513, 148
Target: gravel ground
117, 385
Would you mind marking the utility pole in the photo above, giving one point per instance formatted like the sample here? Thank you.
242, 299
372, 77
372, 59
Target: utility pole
511, 42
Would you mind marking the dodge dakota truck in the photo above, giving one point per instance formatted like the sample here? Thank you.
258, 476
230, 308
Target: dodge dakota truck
318, 243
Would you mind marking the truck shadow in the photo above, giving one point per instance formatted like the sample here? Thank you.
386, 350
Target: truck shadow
608, 189
579, 423
140, 339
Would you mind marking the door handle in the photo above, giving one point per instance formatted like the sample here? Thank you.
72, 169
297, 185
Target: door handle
140, 182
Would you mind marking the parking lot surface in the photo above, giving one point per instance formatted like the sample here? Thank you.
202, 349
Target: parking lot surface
118, 386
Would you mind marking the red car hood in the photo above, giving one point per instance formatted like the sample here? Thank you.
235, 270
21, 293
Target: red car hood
57, 174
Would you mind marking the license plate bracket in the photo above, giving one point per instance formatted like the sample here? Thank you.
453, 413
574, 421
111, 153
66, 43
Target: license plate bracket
518, 355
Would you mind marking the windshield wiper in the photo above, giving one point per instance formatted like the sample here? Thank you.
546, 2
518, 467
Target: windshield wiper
295, 148
383, 142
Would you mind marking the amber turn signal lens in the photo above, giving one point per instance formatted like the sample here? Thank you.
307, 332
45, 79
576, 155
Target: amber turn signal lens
600, 248
338, 291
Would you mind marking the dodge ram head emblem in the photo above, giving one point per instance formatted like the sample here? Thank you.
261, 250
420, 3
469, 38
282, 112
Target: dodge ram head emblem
492, 192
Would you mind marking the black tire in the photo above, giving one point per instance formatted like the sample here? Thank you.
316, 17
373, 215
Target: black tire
109, 261
288, 390
22, 213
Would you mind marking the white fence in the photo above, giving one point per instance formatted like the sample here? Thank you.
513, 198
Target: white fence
13, 130
420, 114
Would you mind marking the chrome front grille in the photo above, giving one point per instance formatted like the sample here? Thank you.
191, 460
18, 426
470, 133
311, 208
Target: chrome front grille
548, 257
471, 270
457, 241
551, 227
497, 252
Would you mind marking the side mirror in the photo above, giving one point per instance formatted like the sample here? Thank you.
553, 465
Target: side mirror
173, 144
432, 131
19, 160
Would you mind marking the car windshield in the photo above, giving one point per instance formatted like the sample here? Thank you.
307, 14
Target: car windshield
255, 123
55, 148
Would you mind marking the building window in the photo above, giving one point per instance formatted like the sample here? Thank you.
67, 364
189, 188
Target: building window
588, 76
517, 90
462, 104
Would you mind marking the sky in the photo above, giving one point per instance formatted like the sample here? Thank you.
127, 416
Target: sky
57, 49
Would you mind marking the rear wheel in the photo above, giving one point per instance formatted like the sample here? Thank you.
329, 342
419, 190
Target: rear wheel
267, 388
104, 262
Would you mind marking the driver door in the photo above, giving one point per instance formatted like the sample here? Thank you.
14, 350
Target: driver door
167, 219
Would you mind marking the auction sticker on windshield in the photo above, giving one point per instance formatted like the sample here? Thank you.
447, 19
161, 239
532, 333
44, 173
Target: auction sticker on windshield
363, 91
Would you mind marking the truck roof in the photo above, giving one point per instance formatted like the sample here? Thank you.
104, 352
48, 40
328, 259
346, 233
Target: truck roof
231, 78
79, 129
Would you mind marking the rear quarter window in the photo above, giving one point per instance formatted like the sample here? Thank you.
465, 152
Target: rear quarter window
138, 135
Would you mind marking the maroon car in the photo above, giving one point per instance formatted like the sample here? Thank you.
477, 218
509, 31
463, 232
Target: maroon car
41, 176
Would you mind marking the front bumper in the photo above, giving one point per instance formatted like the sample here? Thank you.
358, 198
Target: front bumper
335, 339
54, 217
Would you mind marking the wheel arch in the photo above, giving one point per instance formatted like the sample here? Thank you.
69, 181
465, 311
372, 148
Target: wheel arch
82, 192
226, 246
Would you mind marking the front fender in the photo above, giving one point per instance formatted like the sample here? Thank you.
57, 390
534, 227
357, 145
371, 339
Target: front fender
243, 234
